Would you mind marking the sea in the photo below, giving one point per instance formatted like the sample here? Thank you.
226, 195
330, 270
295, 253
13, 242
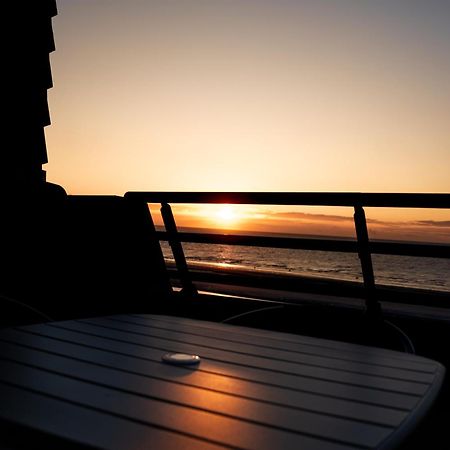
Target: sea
390, 270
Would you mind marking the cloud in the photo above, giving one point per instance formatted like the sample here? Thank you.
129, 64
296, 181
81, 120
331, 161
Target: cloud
295, 215
434, 223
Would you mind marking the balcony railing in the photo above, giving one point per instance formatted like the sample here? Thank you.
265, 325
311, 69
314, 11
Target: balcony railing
362, 245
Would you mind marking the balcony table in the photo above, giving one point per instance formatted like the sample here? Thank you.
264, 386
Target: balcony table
100, 382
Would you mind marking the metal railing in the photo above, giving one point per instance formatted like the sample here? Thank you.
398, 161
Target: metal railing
362, 245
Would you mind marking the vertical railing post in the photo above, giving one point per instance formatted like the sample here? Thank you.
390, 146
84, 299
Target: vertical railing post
373, 307
188, 287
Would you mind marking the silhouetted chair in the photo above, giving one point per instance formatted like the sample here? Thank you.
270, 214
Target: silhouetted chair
69, 256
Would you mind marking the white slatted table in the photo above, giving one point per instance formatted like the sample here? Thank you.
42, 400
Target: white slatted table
100, 382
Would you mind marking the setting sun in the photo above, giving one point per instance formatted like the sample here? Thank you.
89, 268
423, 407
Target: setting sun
226, 215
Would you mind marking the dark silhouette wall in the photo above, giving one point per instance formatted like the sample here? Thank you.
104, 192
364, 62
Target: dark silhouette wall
28, 73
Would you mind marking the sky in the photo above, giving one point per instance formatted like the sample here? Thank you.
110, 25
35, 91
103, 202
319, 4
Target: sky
253, 95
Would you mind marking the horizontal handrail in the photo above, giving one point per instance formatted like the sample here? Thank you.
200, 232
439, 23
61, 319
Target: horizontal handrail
389, 200
324, 244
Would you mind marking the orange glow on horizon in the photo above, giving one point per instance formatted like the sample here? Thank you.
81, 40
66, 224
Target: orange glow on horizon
410, 225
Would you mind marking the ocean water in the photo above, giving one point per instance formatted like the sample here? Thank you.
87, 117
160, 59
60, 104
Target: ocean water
390, 270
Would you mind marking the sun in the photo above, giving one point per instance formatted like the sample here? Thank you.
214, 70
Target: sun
226, 215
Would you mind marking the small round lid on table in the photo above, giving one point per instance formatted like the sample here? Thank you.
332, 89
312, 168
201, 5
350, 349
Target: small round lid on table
181, 359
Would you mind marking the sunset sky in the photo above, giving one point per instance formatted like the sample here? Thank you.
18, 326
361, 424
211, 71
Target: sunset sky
254, 95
